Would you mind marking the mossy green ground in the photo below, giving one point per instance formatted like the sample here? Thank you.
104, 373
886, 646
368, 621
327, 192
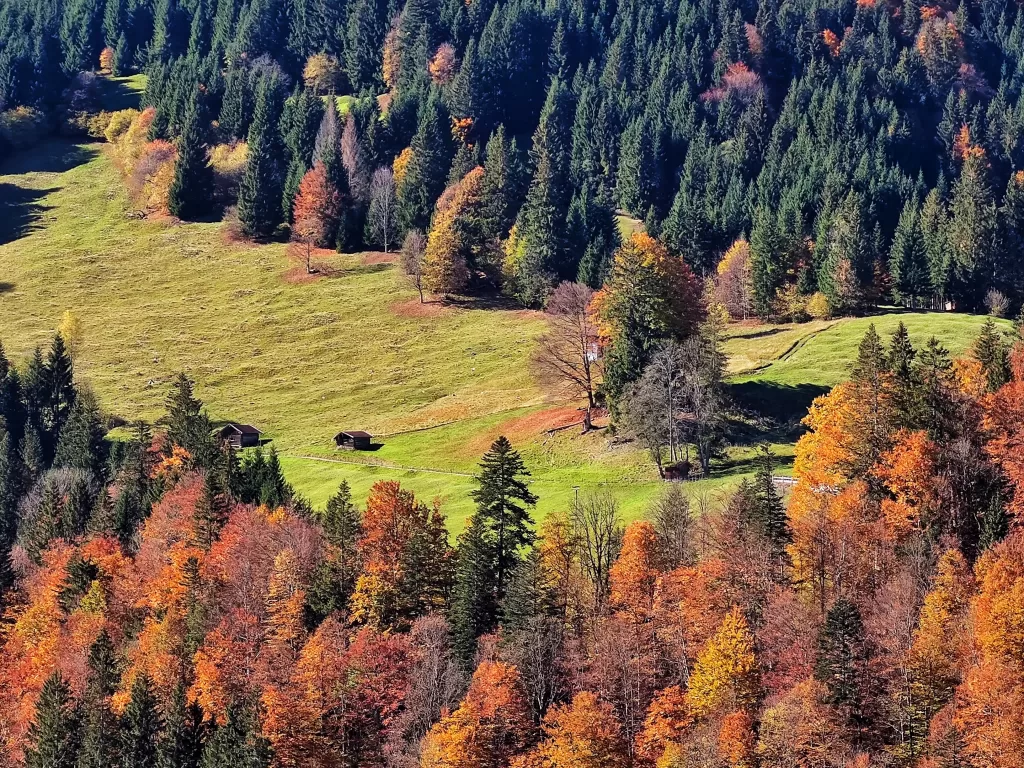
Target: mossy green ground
350, 348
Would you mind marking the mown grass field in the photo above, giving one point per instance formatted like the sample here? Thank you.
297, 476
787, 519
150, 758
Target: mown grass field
350, 348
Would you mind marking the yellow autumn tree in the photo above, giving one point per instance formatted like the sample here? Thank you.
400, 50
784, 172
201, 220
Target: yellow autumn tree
725, 675
939, 643
583, 734
401, 165
454, 240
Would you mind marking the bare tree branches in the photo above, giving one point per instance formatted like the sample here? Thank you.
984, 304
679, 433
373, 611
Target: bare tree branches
381, 218
566, 356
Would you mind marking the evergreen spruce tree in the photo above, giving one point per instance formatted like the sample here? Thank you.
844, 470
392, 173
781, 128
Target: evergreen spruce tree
59, 396
474, 610
236, 109
428, 167
908, 259
301, 123
972, 231
993, 353
901, 365
503, 187
184, 733
141, 726
841, 659
237, 743
262, 186
211, 512
769, 511
191, 193
54, 737
81, 444
767, 267
100, 726
187, 423
593, 231
502, 499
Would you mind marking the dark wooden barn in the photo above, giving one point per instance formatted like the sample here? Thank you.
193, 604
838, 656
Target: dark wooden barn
239, 435
353, 440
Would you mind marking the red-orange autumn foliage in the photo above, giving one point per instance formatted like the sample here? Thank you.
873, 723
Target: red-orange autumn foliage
832, 42
635, 574
405, 555
667, 721
317, 207
1003, 423
44, 636
736, 740
491, 726
908, 472
340, 699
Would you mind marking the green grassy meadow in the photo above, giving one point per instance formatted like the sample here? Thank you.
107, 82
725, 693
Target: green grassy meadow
349, 348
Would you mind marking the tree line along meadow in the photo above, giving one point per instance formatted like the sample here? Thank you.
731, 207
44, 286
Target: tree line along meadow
822, 157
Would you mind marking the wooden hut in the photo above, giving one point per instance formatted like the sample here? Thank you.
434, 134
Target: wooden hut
239, 435
353, 440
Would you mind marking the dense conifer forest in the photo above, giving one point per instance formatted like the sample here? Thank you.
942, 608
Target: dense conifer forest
869, 151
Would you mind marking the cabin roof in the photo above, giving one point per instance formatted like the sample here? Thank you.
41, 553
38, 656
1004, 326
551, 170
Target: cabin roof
242, 429
353, 433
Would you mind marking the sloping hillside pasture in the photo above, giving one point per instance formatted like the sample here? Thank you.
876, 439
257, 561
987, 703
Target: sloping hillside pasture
351, 347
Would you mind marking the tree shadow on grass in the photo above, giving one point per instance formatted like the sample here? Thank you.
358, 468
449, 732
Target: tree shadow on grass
116, 95
54, 156
20, 209
780, 402
758, 333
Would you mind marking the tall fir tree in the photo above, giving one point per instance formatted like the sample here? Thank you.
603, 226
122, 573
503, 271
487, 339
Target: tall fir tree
184, 733
54, 736
262, 186
424, 178
502, 502
237, 743
191, 193
141, 726
99, 723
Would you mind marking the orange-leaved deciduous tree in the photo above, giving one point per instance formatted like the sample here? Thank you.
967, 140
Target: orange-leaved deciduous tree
339, 702
407, 561
668, 719
491, 726
455, 240
316, 210
736, 740
941, 643
799, 729
908, 472
634, 577
1003, 423
582, 734
725, 676
991, 698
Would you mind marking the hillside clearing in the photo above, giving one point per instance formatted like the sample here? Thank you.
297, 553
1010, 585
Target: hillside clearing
351, 349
